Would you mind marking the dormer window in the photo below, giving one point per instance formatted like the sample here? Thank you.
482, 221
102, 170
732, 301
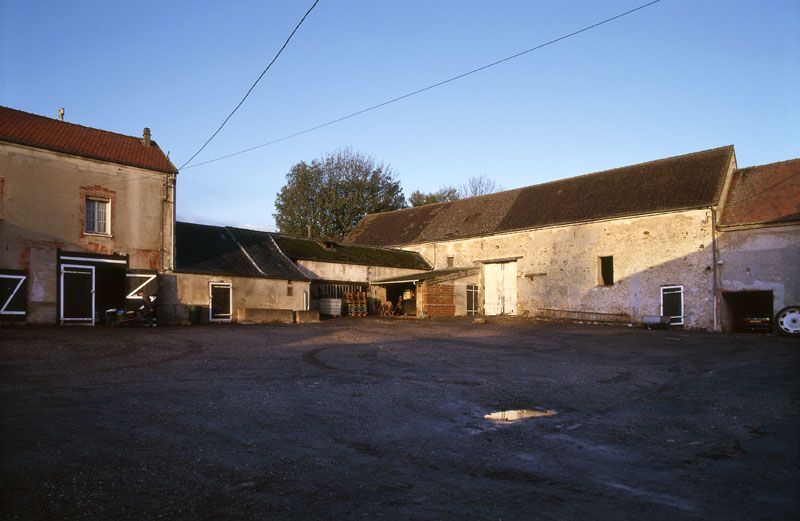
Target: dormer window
98, 216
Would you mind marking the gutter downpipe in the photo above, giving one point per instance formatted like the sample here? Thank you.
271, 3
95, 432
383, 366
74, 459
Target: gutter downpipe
714, 257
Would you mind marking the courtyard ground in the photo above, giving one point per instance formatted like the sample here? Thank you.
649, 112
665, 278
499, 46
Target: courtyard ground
383, 419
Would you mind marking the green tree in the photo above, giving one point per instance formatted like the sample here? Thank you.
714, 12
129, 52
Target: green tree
333, 194
443, 195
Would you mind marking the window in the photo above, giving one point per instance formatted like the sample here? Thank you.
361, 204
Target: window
289, 291
97, 216
450, 261
472, 299
672, 304
607, 271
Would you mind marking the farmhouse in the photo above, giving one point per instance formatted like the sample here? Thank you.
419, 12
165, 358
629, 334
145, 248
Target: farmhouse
87, 223
619, 245
86, 219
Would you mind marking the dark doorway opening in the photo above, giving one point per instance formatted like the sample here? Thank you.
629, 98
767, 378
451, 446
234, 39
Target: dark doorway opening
749, 311
405, 295
109, 290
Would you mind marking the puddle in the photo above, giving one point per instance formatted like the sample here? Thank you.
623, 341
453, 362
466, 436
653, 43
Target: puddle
518, 414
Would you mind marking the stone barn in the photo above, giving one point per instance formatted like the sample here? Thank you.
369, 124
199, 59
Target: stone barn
617, 245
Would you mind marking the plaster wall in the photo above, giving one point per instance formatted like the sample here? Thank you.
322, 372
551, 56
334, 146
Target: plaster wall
42, 199
317, 270
558, 267
181, 290
762, 258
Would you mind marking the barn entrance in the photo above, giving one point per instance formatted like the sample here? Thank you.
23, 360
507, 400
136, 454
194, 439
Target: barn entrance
500, 288
89, 284
748, 311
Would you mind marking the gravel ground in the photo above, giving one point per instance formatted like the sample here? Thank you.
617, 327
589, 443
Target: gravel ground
380, 418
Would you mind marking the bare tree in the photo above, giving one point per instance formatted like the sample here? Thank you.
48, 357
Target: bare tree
478, 185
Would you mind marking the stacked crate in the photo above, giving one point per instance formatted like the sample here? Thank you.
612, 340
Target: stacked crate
356, 303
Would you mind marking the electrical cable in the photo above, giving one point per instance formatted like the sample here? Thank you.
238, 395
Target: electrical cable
254, 84
423, 89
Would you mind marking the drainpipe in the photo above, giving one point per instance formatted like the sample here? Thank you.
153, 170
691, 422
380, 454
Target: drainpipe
714, 257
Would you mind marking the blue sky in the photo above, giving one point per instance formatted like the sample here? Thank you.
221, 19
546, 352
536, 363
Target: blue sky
680, 76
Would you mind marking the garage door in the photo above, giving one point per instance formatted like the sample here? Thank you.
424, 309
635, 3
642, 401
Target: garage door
500, 288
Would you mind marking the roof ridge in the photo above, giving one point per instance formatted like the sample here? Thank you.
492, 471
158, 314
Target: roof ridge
767, 164
47, 118
597, 172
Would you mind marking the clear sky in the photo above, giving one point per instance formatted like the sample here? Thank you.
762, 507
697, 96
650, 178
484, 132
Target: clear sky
677, 77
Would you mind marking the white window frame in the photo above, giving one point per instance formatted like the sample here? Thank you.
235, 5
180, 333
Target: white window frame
683, 305
475, 303
86, 221
227, 318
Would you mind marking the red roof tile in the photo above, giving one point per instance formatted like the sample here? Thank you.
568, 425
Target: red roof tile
764, 194
37, 131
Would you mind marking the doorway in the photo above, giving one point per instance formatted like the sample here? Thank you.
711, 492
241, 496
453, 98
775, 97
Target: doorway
221, 305
748, 311
500, 288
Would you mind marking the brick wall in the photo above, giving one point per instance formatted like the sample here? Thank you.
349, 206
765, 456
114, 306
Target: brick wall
439, 300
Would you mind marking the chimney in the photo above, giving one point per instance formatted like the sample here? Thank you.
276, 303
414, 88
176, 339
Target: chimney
308, 229
146, 137
61, 114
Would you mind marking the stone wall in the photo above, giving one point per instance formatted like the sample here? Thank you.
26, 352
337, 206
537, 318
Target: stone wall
762, 259
559, 268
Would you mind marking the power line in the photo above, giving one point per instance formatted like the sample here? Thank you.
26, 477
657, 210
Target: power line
423, 89
254, 83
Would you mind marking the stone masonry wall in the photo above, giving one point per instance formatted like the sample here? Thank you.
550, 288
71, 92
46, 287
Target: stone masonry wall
559, 267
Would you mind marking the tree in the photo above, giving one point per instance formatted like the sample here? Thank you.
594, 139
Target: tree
333, 194
478, 185
443, 195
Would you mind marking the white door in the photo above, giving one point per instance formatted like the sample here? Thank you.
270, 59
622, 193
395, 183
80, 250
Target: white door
500, 288
492, 286
509, 288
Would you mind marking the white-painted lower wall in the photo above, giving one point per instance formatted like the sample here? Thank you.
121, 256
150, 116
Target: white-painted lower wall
317, 270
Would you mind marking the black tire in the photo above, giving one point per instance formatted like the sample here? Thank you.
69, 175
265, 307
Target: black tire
787, 321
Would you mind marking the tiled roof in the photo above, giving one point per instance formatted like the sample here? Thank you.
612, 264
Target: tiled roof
202, 248
764, 194
307, 249
37, 131
682, 182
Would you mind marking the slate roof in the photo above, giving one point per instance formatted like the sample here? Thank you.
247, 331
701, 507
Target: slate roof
763, 194
307, 249
676, 183
202, 248
24, 128
227, 250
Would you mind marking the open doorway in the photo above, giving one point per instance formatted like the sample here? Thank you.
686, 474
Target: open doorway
748, 311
